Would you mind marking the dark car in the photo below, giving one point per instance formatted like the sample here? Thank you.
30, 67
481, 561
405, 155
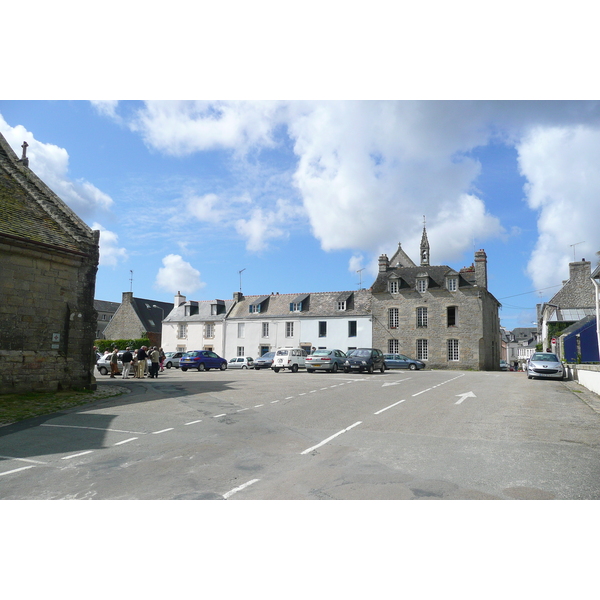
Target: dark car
203, 360
364, 359
265, 361
326, 360
400, 361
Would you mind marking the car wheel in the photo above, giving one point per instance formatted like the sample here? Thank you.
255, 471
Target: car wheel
370, 369
223, 366
276, 369
346, 370
169, 365
310, 370
103, 370
294, 368
201, 367
184, 369
334, 369
244, 367
383, 368
413, 367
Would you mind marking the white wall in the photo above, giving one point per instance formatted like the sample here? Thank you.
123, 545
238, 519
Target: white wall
195, 337
337, 333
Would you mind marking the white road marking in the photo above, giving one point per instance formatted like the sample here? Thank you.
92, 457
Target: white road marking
163, 430
463, 396
95, 428
37, 462
395, 382
259, 405
237, 489
303, 394
330, 438
125, 441
312, 391
242, 409
273, 401
288, 398
390, 406
217, 416
193, 422
16, 470
75, 455
435, 386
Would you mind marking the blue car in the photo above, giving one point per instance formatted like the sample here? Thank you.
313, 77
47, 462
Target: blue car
203, 360
399, 361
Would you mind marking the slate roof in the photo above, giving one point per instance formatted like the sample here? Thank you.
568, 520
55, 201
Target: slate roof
31, 212
106, 306
408, 278
151, 318
177, 313
318, 304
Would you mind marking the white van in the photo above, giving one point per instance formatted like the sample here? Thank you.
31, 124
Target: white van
289, 358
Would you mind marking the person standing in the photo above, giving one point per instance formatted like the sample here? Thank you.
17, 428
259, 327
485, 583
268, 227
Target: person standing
154, 357
126, 360
114, 363
161, 359
141, 357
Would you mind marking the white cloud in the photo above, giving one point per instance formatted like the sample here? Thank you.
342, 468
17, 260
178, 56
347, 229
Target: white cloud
561, 166
51, 164
110, 253
178, 275
107, 108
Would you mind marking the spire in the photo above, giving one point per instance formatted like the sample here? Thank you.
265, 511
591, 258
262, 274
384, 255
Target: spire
424, 247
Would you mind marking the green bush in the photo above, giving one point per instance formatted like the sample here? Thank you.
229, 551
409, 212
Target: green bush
104, 345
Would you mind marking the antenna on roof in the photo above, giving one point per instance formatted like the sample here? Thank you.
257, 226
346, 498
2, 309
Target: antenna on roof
131, 281
360, 275
240, 272
573, 246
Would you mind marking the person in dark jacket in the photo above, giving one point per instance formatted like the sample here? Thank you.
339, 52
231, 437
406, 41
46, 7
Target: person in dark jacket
126, 360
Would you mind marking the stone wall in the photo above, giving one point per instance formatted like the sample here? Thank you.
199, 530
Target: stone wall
47, 319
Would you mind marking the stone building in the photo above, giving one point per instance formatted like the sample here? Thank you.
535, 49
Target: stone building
48, 264
106, 311
446, 318
138, 318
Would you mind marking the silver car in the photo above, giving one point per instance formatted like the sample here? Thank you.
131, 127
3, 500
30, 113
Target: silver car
326, 360
546, 366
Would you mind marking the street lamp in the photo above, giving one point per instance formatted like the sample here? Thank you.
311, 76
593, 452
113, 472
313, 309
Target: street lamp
596, 282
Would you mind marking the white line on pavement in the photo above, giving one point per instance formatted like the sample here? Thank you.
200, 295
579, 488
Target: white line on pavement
95, 428
16, 470
217, 416
288, 398
330, 438
273, 401
259, 405
390, 406
37, 462
75, 455
237, 489
163, 430
125, 441
242, 409
193, 422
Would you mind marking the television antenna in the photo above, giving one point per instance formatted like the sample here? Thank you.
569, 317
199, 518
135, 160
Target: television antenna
573, 246
360, 276
240, 273
130, 280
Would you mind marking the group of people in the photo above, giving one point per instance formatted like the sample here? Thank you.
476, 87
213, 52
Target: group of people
137, 362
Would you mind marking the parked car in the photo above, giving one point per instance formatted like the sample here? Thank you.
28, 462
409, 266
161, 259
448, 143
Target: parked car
203, 360
103, 363
289, 358
364, 359
545, 365
326, 360
265, 361
400, 361
504, 366
172, 359
241, 362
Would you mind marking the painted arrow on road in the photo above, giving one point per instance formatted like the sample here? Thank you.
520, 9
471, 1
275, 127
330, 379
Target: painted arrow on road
395, 382
463, 396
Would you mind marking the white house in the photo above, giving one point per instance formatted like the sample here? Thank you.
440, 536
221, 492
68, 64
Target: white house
196, 325
259, 324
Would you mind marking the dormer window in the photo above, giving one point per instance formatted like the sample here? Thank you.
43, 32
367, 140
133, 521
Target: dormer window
299, 303
341, 305
295, 306
393, 286
254, 308
422, 284
452, 284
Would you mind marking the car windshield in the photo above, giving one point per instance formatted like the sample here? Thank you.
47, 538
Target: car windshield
544, 356
321, 353
282, 352
192, 354
361, 353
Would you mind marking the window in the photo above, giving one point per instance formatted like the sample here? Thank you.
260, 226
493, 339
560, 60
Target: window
422, 350
254, 308
289, 329
209, 330
295, 306
241, 329
182, 331
265, 330
452, 349
393, 286
422, 316
393, 346
351, 328
322, 328
421, 285
451, 315
240, 351
452, 284
341, 305
393, 318
213, 309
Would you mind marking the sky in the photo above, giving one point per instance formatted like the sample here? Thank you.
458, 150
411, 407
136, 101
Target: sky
210, 197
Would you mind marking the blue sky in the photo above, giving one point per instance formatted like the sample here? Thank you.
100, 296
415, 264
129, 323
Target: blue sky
304, 194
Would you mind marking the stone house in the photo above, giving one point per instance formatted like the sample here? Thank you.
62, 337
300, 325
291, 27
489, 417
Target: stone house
259, 324
138, 318
446, 318
49, 259
195, 325
105, 311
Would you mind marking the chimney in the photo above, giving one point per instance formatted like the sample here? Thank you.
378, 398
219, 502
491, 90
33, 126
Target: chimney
127, 298
179, 299
481, 269
384, 263
238, 296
